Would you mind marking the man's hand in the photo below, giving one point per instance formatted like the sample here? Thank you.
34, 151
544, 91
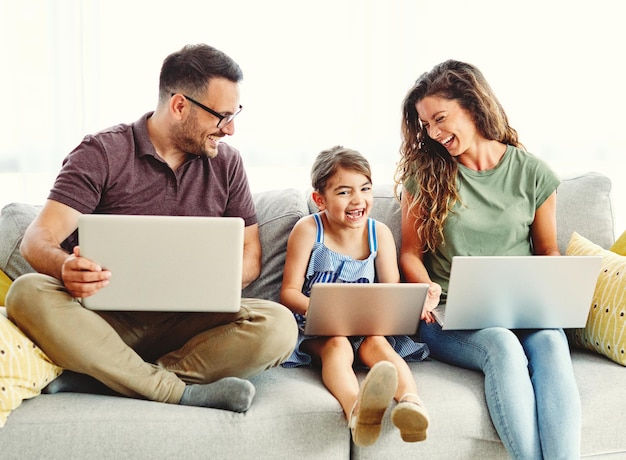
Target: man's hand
82, 277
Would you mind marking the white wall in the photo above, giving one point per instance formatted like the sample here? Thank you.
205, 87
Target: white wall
316, 74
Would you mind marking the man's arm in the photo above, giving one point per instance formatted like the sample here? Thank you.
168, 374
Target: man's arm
251, 254
41, 247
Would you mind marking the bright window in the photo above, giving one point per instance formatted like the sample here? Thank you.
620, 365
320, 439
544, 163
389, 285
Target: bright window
317, 74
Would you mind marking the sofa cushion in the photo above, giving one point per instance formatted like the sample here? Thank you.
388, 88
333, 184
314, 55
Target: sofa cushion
387, 209
461, 427
293, 416
277, 212
605, 331
583, 205
14, 218
24, 368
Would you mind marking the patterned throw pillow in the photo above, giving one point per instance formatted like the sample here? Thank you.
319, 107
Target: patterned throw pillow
5, 282
620, 245
24, 368
605, 331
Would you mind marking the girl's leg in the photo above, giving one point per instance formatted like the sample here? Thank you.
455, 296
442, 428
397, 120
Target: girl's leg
409, 416
336, 356
556, 393
377, 348
510, 396
364, 407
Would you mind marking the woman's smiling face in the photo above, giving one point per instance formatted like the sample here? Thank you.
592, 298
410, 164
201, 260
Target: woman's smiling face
448, 123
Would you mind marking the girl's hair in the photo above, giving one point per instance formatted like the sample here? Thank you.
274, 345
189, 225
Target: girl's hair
328, 161
426, 168
190, 70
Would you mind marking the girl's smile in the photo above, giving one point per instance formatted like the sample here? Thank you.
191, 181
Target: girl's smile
347, 198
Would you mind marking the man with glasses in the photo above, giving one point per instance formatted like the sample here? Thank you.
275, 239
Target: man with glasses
170, 162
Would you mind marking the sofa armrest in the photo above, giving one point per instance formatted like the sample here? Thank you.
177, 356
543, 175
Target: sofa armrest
14, 218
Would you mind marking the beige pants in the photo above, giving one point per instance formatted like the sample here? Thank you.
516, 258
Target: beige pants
118, 348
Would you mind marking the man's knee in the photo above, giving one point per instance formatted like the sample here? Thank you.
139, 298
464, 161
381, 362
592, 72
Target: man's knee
284, 327
280, 330
23, 295
28, 299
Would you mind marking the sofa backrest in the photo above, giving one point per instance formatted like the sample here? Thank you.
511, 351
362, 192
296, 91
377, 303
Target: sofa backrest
583, 205
277, 213
14, 218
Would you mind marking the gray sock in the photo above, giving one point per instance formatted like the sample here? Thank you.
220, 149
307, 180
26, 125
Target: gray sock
229, 393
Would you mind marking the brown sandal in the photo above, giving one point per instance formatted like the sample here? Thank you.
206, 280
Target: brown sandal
411, 418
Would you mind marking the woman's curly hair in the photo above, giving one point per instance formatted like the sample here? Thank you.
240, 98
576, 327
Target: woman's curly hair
426, 168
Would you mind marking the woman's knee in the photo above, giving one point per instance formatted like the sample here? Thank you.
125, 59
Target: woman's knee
548, 340
504, 347
548, 348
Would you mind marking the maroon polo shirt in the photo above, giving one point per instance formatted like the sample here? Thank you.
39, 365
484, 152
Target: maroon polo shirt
117, 171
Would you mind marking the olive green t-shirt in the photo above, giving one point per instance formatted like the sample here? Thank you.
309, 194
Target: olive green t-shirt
498, 207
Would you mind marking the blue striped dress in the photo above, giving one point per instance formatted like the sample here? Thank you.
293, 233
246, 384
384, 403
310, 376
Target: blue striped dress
327, 266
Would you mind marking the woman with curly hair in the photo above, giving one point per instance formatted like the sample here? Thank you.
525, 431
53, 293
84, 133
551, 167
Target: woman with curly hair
470, 188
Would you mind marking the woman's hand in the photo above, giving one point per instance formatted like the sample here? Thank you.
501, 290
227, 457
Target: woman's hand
432, 300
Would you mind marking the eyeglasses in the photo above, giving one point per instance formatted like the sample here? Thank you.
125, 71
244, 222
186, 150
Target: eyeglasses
223, 119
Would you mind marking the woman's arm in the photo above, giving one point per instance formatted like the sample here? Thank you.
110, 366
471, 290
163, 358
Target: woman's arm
543, 229
412, 259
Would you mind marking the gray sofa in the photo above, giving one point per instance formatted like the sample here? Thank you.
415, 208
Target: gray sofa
293, 415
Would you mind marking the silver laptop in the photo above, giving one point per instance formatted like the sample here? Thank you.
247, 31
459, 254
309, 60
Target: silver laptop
354, 309
165, 263
532, 292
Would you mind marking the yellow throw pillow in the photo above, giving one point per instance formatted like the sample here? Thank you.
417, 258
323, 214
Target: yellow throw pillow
24, 368
605, 331
620, 245
5, 282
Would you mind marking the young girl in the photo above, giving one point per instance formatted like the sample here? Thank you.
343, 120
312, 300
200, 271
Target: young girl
342, 244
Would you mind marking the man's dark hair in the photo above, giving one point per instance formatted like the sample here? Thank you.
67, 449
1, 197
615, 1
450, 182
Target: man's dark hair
190, 69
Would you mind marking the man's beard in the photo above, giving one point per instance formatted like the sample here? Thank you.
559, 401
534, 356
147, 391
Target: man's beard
185, 138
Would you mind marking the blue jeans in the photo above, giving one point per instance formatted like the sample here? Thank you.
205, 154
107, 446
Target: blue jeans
530, 388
